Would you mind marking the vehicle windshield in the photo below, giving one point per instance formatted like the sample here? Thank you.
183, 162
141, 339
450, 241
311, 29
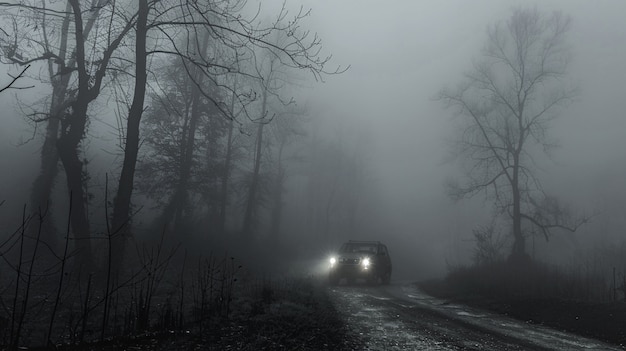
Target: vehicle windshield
358, 248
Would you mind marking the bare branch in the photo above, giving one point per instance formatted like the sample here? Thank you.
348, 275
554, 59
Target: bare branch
14, 80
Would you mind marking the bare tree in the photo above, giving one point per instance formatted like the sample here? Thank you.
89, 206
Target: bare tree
122, 201
40, 32
90, 75
80, 66
254, 196
286, 128
185, 30
338, 179
506, 105
181, 132
273, 80
228, 159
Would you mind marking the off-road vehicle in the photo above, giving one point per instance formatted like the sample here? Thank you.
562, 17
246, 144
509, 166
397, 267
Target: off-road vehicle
368, 260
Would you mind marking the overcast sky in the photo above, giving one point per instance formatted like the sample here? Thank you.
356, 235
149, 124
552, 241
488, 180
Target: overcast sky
401, 53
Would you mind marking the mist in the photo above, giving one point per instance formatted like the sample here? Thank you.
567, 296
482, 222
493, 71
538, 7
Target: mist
381, 118
401, 55
227, 173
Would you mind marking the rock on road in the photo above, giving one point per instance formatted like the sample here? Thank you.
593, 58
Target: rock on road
401, 317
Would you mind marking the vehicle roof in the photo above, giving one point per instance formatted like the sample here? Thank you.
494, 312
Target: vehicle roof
364, 242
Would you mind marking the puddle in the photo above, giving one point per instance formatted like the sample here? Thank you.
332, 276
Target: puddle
467, 314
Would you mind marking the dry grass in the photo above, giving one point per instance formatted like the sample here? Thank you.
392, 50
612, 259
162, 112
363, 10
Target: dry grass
539, 293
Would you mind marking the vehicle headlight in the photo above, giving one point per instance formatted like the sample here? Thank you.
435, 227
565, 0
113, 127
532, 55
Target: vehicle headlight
333, 260
365, 262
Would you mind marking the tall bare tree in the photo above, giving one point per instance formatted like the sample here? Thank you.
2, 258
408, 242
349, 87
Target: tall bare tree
122, 201
228, 160
254, 196
505, 106
91, 74
181, 131
186, 29
42, 33
274, 78
79, 63
68, 116
287, 126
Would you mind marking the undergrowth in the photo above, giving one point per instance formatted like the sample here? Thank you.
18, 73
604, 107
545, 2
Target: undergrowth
528, 279
48, 300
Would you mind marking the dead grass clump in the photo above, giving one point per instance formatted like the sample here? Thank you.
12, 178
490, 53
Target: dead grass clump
527, 279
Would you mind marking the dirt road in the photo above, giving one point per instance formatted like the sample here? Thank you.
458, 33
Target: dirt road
401, 317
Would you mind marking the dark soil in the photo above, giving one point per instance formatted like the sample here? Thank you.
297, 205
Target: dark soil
301, 316
279, 319
602, 321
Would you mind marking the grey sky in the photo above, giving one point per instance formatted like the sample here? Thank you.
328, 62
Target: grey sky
402, 52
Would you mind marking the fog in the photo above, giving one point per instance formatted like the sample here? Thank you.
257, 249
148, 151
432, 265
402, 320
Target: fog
402, 54
383, 114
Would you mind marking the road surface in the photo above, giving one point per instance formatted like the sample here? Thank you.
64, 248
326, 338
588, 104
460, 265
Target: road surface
401, 317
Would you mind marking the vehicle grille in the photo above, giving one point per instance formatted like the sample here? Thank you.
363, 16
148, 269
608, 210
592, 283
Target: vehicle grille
349, 261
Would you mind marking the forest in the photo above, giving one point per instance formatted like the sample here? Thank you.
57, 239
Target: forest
180, 166
198, 101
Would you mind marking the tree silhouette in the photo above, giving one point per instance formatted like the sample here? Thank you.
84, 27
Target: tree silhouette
506, 105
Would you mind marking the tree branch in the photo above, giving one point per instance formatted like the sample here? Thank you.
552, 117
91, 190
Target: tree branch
14, 80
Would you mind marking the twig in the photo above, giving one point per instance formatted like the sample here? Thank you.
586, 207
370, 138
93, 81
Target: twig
29, 277
108, 282
15, 334
10, 85
63, 261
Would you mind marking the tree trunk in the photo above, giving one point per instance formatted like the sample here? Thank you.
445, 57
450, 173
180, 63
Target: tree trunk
251, 205
227, 161
519, 243
73, 131
67, 146
181, 197
277, 209
120, 228
518, 252
41, 192
44, 183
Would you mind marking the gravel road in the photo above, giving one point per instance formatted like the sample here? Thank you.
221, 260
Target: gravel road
401, 317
